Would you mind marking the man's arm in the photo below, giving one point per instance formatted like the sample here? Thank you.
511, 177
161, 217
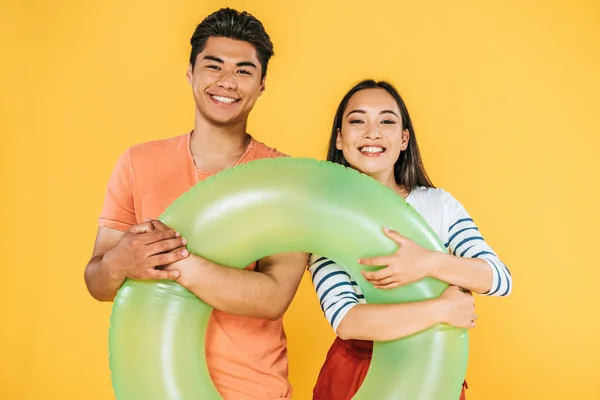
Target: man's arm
265, 293
133, 254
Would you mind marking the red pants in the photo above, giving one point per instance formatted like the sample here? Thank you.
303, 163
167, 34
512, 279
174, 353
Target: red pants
345, 369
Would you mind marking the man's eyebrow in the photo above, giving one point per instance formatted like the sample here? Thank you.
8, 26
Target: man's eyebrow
240, 64
213, 58
246, 64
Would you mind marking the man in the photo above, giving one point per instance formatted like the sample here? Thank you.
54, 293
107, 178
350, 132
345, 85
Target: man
246, 347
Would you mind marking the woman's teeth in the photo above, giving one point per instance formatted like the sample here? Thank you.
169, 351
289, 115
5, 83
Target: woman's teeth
372, 149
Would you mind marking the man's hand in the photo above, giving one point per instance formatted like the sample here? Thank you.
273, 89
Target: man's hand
143, 248
138, 253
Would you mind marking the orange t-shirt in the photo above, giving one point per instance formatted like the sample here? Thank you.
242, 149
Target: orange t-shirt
246, 357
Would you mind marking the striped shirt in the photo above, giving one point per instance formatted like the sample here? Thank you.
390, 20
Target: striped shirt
449, 220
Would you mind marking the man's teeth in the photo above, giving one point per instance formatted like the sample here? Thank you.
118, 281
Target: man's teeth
222, 99
371, 149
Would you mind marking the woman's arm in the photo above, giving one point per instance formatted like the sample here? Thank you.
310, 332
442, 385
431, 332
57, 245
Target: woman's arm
392, 321
471, 257
344, 307
471, 264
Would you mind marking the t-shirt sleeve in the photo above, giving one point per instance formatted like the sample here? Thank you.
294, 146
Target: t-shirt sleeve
118, 211
276, 154
465, 240
337, 292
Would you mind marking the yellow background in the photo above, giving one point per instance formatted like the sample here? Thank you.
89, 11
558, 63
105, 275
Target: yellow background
505, 100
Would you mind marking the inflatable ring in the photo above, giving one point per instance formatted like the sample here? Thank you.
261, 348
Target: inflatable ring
264, 207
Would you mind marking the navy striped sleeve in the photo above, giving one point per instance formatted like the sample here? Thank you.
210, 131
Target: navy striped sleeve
465, 240
337, 292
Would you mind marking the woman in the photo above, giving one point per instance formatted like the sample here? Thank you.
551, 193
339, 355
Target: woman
373, 133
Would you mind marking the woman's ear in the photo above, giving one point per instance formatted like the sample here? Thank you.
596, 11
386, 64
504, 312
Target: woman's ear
405, 139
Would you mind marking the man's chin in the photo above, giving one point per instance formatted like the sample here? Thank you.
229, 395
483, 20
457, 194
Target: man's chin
224, 122
221, 120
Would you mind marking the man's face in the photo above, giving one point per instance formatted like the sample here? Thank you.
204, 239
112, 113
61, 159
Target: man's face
226, 80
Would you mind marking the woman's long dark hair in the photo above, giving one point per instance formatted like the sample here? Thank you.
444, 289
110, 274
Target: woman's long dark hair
409, 171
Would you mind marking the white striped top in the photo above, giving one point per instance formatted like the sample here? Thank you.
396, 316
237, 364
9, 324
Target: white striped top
449, 220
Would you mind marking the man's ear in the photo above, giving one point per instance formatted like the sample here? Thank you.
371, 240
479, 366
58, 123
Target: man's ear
189, 73
263, 85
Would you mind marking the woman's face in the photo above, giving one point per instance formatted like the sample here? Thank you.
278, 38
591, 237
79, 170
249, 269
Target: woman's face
371, 136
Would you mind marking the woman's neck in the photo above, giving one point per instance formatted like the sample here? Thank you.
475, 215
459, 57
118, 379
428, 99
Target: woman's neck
390, 181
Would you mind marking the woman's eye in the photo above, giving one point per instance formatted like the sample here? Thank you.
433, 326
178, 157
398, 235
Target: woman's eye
355, 121
388, 121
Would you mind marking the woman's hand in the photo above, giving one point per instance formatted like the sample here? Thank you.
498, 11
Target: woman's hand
409, 264
458, 307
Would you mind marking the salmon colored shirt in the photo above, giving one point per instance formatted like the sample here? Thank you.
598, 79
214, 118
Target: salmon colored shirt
247, 357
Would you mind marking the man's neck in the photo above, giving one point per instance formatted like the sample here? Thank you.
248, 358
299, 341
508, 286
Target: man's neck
215, 147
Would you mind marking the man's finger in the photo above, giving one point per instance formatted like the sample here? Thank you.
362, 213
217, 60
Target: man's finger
162, 274
144, 227
168, 258
159, 225
164, 246
159, 236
